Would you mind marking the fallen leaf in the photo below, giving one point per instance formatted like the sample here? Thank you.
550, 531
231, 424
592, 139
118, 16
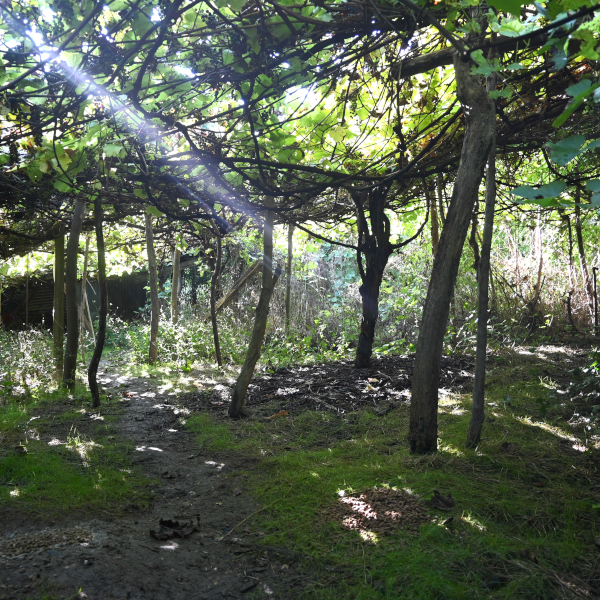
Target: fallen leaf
281, 413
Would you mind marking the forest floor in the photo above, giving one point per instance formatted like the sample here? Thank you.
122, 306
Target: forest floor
313, 495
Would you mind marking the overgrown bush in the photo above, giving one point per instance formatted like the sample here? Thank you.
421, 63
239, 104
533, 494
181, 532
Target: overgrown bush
26, 361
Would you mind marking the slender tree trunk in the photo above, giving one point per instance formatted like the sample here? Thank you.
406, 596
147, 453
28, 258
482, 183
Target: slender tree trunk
595, 272
376, 261
153, 278
483, 276
27, 293
435, 230
175, 286
440, 195
540, 260
374, 244
214, 284
236, 409
473, 242
103, 310
70, 364
288, 280
83, 298
58, 322
479, 120
585, 274
567, 221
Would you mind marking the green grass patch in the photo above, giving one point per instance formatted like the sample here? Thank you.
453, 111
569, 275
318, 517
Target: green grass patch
53, 457
523, 525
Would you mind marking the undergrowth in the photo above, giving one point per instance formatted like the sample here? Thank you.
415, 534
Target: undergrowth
526, 499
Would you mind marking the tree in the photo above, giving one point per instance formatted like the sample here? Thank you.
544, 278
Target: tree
70, 362
479, 118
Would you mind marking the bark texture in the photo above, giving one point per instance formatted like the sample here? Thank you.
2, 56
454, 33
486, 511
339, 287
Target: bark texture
236, 408
175, 286
103, 310
70, 364
483, 277
374, 245
83, 297
58, 323
479, 120
585, 274
288, 280
214, 284
154, 302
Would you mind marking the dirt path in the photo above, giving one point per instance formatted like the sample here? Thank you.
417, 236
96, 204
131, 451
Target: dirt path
199, 497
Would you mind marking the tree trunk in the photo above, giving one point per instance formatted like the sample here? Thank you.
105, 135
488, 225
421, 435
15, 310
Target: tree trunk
260, 320
83, 298
440, 195
58, 324
214, 284
70, 364
27, 293
567, 221
540, 260
483, 276
374, 244
376, 261
479, 120
153, 278
473, 242
175, 286
587, 282
103, 311
435, 230
288, 280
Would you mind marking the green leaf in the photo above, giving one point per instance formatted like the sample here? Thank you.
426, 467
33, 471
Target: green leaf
505, 93
566, 150
338, 133
114, 150
577, 102
549, 190
578, 88
141, 24
508, 6
593, 185
152, 210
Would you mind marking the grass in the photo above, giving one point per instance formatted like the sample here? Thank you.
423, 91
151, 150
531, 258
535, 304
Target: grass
71, 463
524, 522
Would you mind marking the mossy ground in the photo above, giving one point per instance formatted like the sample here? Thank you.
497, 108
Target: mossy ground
526, 514
59, 455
